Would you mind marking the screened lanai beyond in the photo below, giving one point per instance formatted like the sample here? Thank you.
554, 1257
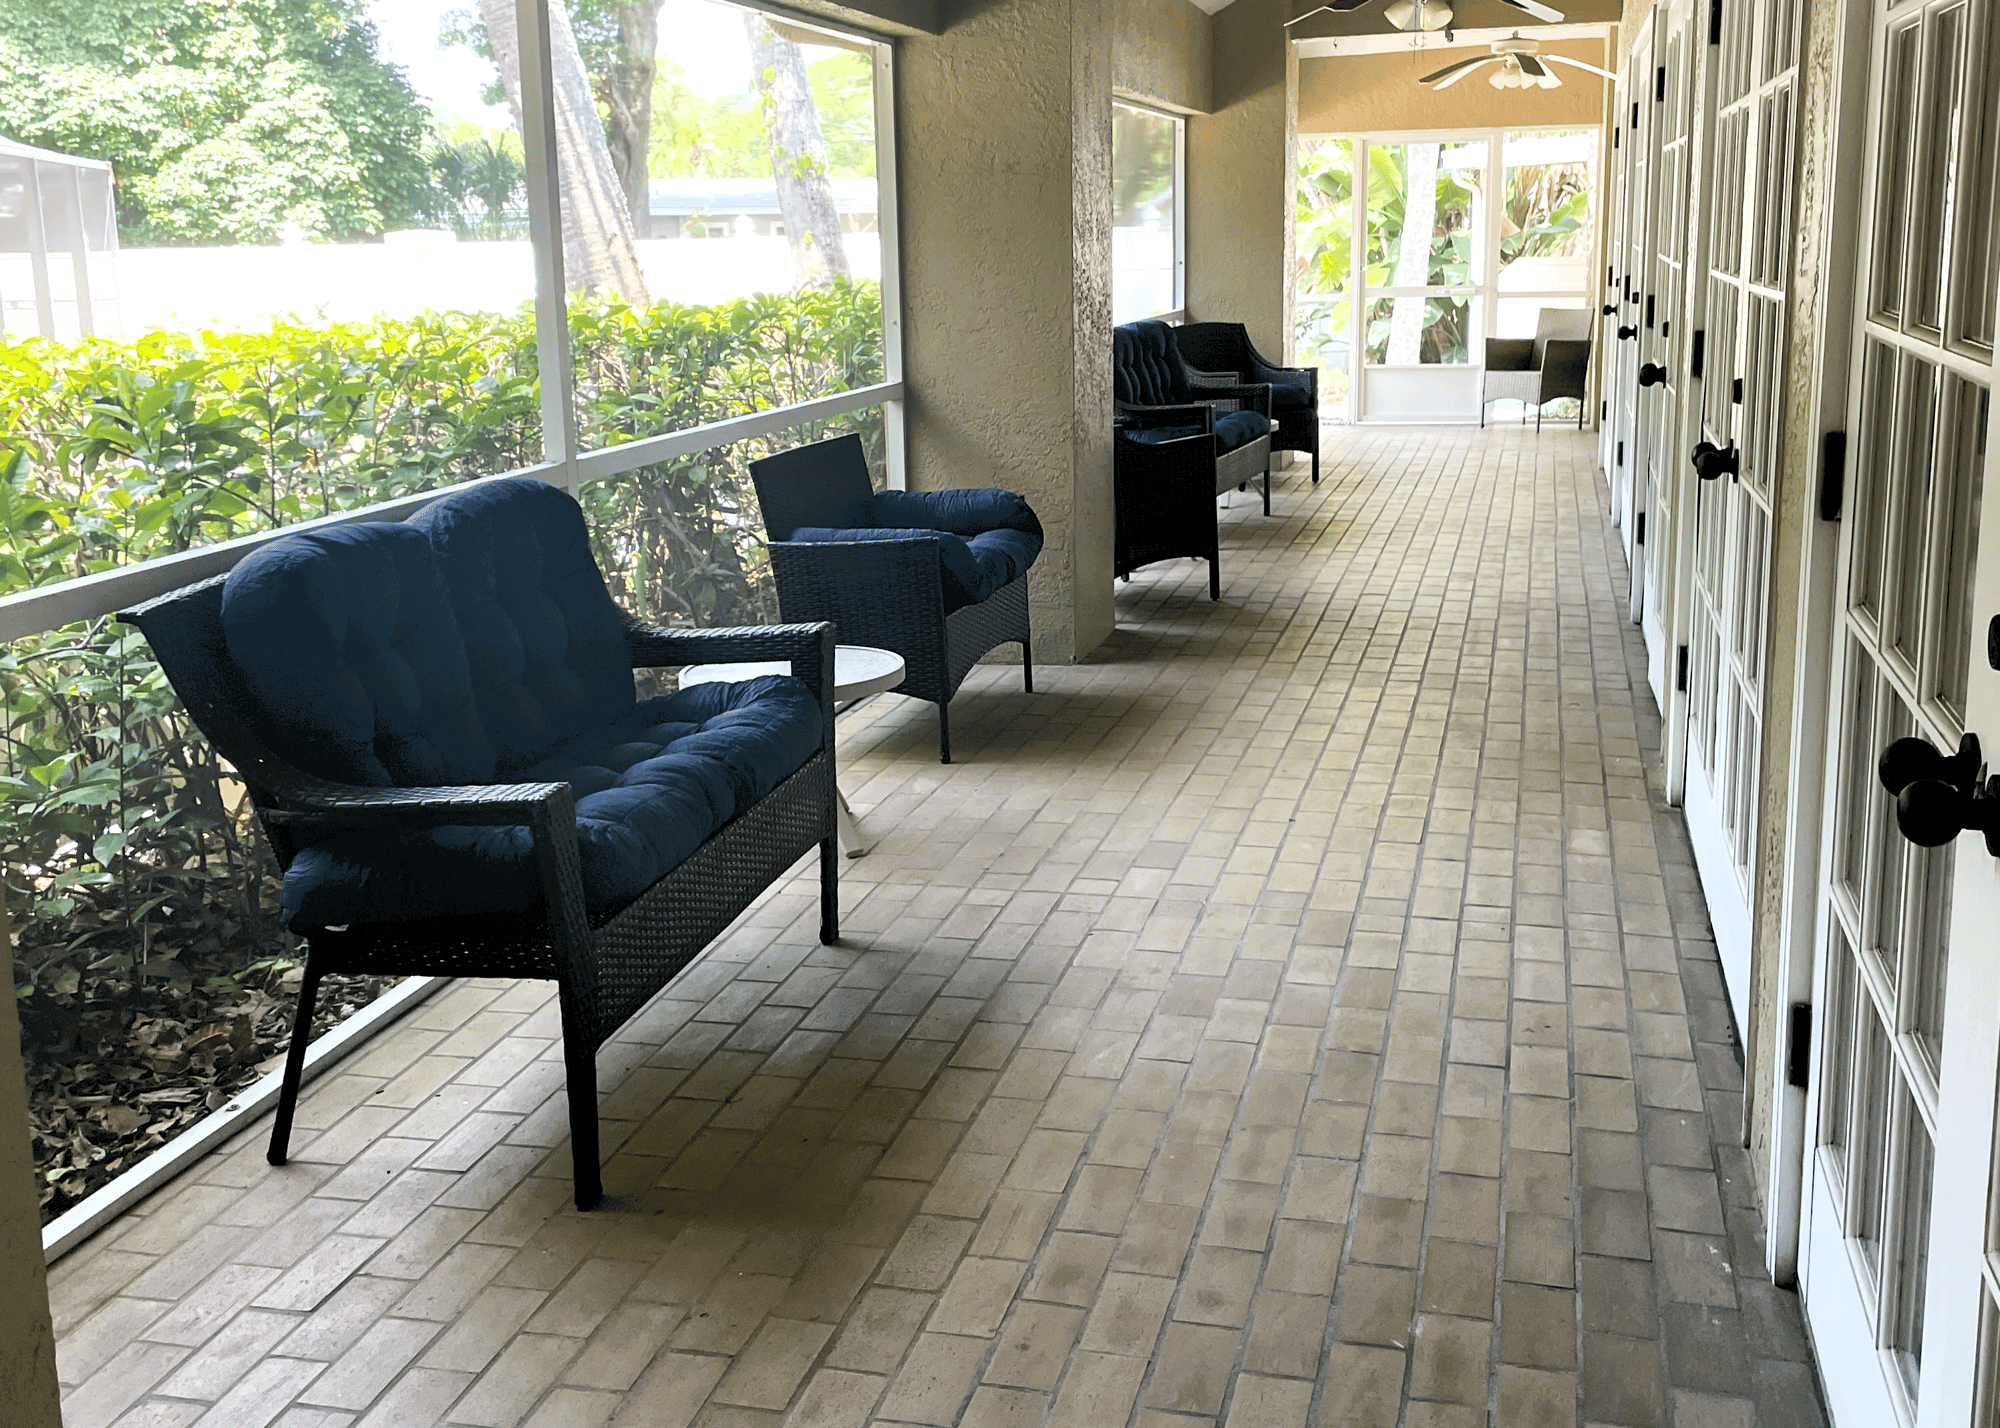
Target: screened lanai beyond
1300, 1011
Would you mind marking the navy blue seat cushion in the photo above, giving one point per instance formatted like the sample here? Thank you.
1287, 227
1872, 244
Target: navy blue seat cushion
1234, 429
650, 788
969, 512
1146, 369
353, 659
1290, 394
543, 641
1155, 435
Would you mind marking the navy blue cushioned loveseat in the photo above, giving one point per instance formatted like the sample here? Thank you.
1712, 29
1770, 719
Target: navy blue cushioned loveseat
438, 724
940, 577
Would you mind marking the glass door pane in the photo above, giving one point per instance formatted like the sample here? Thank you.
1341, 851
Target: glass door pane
1324, 314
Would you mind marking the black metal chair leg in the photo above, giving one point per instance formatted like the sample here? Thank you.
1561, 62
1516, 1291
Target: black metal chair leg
829, 891
1482, 422
1215, 571
580, 1071
295, 1066
1028, 666
944, 734
1267, 488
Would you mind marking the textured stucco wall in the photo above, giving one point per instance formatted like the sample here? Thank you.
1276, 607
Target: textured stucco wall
27, 1342
1239, 194
1363, 94
1795, 507
1004, 148
1162, 52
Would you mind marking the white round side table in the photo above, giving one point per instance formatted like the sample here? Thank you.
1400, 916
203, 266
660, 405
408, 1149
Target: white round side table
857, 670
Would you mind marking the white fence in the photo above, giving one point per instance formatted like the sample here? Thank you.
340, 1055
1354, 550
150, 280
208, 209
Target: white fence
245, 286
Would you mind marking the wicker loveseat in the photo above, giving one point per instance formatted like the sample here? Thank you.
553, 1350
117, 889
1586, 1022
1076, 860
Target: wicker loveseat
1223, 351
939, 577
438, 726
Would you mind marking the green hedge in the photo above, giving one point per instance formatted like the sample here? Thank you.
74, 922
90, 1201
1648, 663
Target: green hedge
136, 871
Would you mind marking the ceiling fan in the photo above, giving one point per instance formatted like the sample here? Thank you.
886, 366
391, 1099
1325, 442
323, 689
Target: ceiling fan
1521, 67
1416, 15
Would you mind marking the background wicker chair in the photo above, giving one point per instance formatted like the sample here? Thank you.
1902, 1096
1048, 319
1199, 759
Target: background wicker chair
1155, 399
607, 958
882, 587
1554, 363
1164, 490
1222, 351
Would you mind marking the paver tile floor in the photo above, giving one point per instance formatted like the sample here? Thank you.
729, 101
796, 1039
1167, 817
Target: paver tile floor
1301, 1013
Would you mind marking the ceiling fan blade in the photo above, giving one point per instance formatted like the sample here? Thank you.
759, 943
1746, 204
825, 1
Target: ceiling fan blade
1452, 73
1579, 64
1335, 7
1531, 65
1536, 8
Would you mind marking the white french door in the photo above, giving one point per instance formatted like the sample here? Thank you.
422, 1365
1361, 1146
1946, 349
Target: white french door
1900, 1254
1743, 324
1632, 245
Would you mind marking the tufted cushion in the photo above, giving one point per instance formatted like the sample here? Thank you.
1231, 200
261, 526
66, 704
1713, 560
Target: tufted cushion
543, 642
1146, 369
1234, 429
351, 653
650, 788
1157, 435
969, 569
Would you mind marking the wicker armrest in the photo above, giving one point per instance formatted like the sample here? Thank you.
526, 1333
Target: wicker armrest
1247, 396
807, 645
318, 806
1199, 414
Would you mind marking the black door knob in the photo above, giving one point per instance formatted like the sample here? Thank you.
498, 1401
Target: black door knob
1627, 332
1938, 796
1652, 374
1611, 309
1909, 761
1712, 461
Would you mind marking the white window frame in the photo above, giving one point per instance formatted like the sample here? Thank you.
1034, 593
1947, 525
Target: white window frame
32, 612
1178, 312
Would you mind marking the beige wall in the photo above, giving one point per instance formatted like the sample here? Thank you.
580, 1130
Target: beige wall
27, 1342
1162, 53
1239, 193
1375, 94
1004, 147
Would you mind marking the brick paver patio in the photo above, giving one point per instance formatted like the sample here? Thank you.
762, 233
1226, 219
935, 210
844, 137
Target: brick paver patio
1303, 1013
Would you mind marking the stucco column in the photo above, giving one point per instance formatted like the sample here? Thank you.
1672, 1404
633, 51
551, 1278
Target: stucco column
1004, 151
1240, 159
27, 1340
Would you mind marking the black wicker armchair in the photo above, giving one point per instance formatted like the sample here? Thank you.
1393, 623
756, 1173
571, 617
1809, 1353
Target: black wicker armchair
1223, 351
939, 577
1153, 391
348, 753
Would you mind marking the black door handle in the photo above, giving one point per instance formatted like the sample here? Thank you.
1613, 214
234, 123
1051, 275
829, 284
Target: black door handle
1611, 309
1627, 332
1652, 374
1939, 796
1712, 461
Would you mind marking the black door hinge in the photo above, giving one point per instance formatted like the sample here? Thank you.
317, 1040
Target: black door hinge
1798, 1051
1736, 391
1660, 85
1628, 287
1603, 411
1610, 275
1681, 670
1695, 352
1635, 114
1649, 309
1832, 474
1639, 529
1621, 453
1615, 133
1715, 22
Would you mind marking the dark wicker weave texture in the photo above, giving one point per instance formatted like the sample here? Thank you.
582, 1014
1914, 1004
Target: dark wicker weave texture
604, 970
1164, 499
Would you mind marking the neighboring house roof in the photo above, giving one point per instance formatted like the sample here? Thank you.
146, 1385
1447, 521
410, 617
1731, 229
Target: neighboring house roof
676, 197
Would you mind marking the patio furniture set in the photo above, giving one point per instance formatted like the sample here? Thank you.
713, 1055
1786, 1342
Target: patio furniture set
439, 727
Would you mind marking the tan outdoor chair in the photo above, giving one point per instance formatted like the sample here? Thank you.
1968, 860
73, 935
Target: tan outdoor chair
1554, 363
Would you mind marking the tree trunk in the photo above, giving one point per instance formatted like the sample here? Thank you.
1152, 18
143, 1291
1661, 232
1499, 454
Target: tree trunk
598, 255
627, 92
798, 156
1413, 261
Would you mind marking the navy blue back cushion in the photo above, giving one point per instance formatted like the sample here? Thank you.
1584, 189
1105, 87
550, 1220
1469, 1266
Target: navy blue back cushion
967, 512
1146, 369
350, 649
543, 641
